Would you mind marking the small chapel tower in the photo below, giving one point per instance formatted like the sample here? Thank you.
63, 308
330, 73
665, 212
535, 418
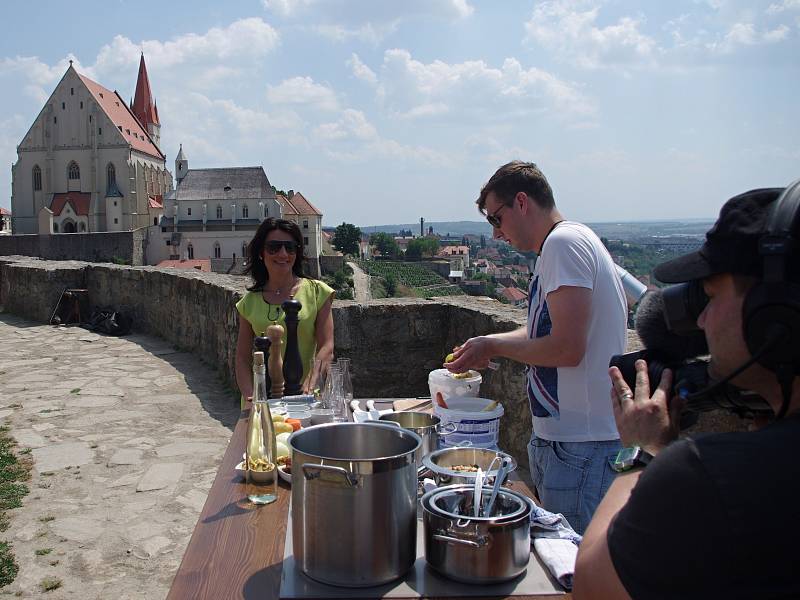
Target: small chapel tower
144, 107
181, 165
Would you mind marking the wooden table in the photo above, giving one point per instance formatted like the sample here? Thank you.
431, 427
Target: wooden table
236, 550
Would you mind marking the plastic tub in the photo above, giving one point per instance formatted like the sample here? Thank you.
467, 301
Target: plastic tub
442, 381
474, 426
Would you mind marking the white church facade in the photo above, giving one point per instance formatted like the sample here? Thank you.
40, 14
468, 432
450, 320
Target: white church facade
92, 160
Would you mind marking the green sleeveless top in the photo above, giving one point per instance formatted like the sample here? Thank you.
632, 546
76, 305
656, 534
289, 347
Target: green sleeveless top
312, 294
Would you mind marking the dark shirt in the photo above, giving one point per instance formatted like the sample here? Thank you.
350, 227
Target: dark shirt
715, 517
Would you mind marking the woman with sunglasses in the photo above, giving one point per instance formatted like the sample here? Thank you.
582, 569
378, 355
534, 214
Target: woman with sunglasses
275, 262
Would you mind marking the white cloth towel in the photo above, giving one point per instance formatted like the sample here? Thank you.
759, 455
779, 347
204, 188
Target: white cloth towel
556, 543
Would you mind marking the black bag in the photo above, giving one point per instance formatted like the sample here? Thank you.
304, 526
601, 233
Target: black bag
109, 321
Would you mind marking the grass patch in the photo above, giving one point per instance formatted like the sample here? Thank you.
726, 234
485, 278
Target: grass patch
8, 566
14, 471
75, 391
43, 551
48, 584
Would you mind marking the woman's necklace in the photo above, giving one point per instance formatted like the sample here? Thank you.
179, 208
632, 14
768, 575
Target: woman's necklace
270, 317
278, 291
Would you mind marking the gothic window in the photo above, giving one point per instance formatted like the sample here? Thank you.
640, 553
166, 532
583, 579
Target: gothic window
190, 251
74, 171
245, 211
217, 250
111, 176
219, 213
83, 227
37, 178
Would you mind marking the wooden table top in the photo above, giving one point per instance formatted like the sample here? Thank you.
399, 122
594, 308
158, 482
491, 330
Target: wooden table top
236, 550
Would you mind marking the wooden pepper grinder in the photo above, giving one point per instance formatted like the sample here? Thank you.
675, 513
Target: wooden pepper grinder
292, 362
275, 368
262, 344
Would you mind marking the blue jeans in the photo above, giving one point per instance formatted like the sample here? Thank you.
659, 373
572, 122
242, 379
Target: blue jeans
572, 477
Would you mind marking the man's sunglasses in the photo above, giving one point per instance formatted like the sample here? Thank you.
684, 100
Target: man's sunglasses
493, 219
274, 246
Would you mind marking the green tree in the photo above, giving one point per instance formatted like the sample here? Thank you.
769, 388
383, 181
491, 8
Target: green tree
385, 244
390, 285
424, 246
346, 239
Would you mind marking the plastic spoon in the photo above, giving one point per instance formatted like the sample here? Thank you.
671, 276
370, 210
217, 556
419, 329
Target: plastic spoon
505, 465
476, 496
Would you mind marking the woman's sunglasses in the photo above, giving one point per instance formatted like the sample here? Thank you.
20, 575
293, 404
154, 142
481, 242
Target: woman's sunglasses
274, 246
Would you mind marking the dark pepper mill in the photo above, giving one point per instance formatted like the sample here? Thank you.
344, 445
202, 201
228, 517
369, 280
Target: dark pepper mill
261, 344
292, 363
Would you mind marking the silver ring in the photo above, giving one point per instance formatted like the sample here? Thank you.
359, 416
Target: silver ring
627, 395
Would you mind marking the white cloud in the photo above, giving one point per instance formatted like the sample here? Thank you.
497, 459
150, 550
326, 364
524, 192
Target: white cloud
360, 70
412, 88
352, 125
746, 34
303, 91
369, 33
785, 5
569, 28
39, 78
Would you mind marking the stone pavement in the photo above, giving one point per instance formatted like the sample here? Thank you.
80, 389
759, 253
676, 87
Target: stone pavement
126, 436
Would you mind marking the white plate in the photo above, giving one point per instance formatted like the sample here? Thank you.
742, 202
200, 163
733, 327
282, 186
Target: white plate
287, 477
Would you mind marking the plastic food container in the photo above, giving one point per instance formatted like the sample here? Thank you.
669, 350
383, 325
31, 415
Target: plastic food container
441, 381
474, 425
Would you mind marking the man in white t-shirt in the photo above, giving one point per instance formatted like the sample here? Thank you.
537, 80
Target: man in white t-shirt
576, 322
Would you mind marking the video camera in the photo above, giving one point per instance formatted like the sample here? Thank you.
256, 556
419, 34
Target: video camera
666, 321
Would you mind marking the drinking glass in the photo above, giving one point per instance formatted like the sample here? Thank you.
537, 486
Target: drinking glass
347, 381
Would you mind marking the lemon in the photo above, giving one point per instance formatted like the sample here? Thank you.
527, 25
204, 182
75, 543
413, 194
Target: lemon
449, 358
283, 428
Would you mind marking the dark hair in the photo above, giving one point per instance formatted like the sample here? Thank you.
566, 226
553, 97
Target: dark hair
255, 264
514, 177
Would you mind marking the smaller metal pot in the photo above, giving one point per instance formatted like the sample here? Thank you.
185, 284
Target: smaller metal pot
440, 464
481, 550
425, 425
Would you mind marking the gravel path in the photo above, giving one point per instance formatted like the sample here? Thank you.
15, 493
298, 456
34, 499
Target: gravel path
361, 283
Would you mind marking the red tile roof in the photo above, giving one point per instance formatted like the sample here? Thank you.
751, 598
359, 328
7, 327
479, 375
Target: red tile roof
78, 200
156, 201
143, 106
122, 117
4, 211
201, 264
297, 205
513, 294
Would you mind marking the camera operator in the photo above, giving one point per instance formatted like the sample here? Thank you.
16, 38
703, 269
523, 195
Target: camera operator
717, 516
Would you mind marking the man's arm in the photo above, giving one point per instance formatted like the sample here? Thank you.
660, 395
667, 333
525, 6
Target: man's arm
642, 421
570, 312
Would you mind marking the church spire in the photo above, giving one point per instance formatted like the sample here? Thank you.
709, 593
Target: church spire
144, 107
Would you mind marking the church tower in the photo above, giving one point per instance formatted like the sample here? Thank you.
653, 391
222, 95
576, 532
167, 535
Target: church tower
181, 166
144, 107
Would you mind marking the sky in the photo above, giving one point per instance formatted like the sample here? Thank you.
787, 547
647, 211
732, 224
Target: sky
385, 111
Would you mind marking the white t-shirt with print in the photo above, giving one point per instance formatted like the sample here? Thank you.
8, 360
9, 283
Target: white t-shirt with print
572, 404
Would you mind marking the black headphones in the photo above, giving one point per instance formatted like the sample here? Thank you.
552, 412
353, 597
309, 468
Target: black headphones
771, 312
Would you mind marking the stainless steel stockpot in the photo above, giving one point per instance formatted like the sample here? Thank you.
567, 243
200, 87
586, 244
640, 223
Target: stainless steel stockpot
425, 425
354, 493
481, 550
440, 464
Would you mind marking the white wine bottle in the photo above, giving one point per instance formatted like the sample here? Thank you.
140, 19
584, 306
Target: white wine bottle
261, 449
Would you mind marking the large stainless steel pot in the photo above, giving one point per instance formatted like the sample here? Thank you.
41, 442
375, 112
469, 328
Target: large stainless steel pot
354, 492
425, 425
441, 463
482, 550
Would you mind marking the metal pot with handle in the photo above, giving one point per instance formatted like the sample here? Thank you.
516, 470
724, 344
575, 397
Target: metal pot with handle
345, 469
425, 425
484, 549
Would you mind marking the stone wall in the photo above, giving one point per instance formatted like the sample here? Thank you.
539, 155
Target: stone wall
393, 343
112, 246
330, 264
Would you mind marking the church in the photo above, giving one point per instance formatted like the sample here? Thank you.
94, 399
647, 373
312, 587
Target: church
90, 162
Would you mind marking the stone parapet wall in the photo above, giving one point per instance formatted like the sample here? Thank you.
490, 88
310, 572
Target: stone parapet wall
393, 343
124, 246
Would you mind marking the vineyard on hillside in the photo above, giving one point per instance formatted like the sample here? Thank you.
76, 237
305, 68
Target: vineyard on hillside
423, 282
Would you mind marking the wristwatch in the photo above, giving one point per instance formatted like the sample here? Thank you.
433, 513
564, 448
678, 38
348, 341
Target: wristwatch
631, 458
